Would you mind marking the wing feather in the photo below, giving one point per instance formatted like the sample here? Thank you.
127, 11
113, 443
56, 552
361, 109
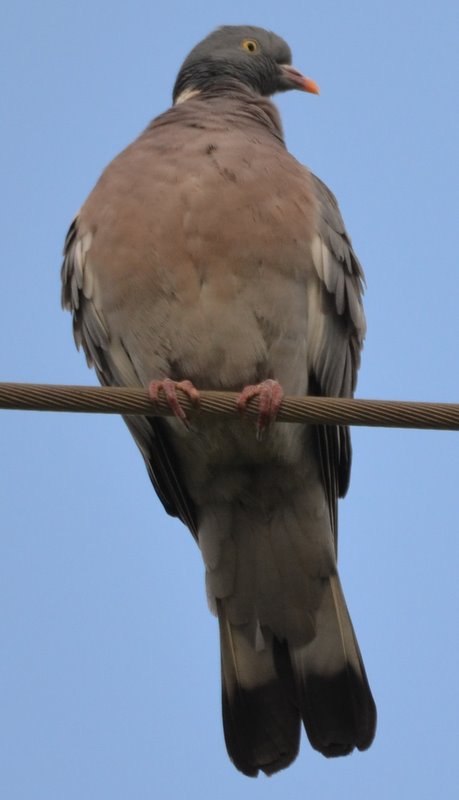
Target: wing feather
114, 367
339, 340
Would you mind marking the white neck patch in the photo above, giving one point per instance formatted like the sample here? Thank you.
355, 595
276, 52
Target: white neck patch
186, 95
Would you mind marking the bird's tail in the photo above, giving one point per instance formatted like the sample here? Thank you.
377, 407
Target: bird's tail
269, 684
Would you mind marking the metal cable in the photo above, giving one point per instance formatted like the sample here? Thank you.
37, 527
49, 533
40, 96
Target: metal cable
323, 410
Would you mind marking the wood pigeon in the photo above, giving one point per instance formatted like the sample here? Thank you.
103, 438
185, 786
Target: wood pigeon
208, 257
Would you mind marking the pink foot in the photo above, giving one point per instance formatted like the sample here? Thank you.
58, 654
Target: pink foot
270, 394
169, 388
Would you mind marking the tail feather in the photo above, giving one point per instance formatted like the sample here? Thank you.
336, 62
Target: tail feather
261, 719
269, 685
334, 696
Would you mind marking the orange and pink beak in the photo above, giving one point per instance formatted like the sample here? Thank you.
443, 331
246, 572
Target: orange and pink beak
296, 80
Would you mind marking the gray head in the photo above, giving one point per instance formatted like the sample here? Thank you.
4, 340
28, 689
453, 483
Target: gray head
245, 54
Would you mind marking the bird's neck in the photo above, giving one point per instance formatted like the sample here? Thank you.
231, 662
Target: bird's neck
222, 106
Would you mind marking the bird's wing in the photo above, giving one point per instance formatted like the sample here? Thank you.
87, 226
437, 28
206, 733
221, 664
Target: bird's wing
114, 367
338, 339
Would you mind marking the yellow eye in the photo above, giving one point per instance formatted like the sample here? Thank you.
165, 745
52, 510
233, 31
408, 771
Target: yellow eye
251, 45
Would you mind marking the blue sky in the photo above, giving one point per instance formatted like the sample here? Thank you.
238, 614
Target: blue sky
109, 663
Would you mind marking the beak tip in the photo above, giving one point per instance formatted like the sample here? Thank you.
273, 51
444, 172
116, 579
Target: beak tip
311, 86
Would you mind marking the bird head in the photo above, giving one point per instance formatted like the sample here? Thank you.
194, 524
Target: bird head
242, 54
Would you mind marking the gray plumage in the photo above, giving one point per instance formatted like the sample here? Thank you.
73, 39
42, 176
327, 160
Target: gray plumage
207, 252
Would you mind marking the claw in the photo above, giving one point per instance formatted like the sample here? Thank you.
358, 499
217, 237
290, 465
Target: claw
169, 388
270, 394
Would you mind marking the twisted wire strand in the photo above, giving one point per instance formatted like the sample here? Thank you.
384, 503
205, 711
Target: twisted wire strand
314, 410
